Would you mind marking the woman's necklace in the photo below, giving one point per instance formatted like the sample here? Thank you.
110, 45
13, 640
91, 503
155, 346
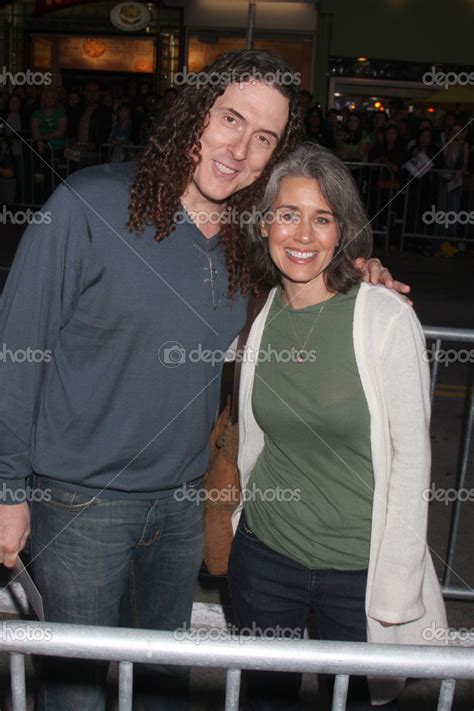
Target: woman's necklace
301, 354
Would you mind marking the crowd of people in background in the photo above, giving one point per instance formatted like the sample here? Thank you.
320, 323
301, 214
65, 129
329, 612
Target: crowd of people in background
432, 157
75, 125
86, 115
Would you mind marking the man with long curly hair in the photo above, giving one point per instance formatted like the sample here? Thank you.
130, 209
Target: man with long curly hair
126, 299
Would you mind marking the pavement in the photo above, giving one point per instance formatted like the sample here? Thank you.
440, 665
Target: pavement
442, 291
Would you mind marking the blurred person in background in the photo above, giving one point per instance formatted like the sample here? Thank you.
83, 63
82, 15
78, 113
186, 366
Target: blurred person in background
62, 95
454, 160
378, 149
12, 147
306, 99
121, 134
404, 133
393, 155
49, 124
31, 101
352, 142
332, 124
422, 188
122, 128
73, 112
314, 126
95, 121
48, 130
379, 121
424, 123
449, 121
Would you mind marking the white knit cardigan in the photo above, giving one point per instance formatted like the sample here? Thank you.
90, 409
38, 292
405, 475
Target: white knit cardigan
402, 585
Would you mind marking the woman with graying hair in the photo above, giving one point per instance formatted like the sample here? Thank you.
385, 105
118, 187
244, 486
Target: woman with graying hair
338, 434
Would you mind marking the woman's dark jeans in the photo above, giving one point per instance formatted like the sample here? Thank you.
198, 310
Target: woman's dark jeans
272, 593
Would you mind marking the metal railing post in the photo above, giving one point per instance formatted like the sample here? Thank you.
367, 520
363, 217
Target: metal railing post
446, 695
461, 480
232, 689
341, 687
125, 696
18, 682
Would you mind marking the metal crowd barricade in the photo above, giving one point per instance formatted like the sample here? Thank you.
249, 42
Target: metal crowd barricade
441, 336
378, 186
33, 174
436, 207
118, 153
129, 647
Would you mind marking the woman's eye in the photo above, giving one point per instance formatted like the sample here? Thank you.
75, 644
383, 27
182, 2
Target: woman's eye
288, 217
263, 140
230, 119
322, 220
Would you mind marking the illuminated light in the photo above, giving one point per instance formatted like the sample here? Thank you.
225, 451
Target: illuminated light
362, 59
430, 110
377, 105
337, 93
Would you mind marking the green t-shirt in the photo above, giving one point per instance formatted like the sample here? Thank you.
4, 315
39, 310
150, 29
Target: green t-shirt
310, 493
47, 123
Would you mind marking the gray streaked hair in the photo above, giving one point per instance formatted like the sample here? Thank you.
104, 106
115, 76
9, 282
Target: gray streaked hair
340, 191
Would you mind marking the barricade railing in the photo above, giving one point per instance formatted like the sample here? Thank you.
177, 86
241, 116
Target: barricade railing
434, 206
377, 185
440, 336
438, 205
133, 646
431, 207
119, 153
31, 176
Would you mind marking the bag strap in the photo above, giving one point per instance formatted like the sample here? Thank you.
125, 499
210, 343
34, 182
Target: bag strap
255, 305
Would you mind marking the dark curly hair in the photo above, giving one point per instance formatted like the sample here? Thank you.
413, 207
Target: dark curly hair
169, 159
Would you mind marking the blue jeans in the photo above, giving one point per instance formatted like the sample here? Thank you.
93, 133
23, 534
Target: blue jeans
273, 593
129, 563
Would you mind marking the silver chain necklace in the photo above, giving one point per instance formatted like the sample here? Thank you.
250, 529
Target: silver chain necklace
301, 353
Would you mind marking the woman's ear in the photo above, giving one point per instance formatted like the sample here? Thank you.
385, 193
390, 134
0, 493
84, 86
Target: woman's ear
263, 229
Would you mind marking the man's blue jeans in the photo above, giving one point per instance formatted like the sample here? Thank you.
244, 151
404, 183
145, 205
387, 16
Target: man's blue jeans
129, 563
272, 596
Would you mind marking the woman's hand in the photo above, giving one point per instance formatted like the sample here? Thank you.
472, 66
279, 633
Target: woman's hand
374, 272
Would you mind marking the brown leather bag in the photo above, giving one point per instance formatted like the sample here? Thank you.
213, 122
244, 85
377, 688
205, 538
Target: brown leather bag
222, 480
